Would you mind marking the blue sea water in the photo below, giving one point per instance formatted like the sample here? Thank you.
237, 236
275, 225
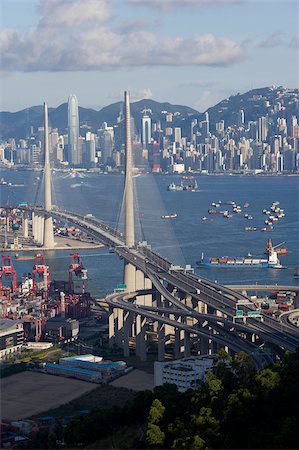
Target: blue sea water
182, 240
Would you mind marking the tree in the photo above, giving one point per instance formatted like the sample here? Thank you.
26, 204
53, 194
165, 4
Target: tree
268, 379
154, 436
156, 412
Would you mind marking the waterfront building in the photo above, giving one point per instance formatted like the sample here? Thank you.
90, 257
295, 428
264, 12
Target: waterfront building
185, 373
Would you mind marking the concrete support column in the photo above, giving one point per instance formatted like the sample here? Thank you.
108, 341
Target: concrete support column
38, 228
126, 333
129, 277
119, 327
187, 346
7, 221
141, 337
161, 341
204, 346
41, 230
32, 224
25, 223
179, 336
111, 327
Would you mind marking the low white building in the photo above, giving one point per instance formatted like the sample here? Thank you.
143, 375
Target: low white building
11, 337
184, 373
178, 167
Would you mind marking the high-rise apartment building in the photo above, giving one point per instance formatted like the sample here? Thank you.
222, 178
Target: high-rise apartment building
73, 131
241, 118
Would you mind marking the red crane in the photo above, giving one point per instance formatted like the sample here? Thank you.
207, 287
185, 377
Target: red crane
76, 267
41, 275
7, 270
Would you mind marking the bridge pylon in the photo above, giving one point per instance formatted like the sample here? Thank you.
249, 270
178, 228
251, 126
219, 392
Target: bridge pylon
129, 269
48, 234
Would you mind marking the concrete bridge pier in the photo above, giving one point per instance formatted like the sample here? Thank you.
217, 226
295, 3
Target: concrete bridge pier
119, 331
179, 336
161, 341
7, 222
126, 333
33, 226
141, 283
25, 224
141, 337
187, 344
111, 327
130, 277
38, 228
41, 222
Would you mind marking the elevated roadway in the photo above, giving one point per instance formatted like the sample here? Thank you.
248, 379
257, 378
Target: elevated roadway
261, 287
162, 274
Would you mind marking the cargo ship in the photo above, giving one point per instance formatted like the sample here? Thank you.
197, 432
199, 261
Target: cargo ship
231, 263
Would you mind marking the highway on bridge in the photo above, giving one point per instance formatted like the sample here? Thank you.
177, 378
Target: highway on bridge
160, 271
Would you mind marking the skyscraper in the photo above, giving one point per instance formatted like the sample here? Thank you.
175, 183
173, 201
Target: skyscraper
146, 131
73, 131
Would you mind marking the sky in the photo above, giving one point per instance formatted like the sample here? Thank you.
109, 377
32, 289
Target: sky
187, 52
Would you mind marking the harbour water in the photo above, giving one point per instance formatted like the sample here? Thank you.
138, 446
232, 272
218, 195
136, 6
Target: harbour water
182, 240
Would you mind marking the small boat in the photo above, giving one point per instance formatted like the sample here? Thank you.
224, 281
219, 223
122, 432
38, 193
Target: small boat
267, 228
169, 216
250, 228
204, 218
174, 187
246, 204
26, 258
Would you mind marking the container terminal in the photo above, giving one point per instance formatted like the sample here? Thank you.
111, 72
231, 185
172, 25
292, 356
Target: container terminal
46, 310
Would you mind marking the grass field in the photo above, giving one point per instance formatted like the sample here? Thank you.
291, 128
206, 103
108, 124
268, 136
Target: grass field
30, 394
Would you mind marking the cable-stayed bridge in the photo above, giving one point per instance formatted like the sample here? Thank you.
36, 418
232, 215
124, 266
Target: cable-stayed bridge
160, 301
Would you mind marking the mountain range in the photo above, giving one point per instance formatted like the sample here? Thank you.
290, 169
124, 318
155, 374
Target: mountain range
255, 103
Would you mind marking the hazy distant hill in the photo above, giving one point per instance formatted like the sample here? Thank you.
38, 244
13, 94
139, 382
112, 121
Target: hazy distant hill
255, 103
18, 124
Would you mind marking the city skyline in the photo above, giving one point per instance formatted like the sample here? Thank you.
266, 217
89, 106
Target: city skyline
193, 53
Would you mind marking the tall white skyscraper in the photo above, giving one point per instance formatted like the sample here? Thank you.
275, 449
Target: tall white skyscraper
74, 156
146, 131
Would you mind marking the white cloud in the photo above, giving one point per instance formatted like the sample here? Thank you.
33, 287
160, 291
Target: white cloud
278, 39
141, 94
74, 35
73, 12
165, 5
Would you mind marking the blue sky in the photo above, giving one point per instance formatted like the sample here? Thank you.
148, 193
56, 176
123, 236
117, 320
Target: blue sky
192, 52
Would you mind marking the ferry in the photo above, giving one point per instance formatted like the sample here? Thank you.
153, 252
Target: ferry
186, 184
247, 262
169, 216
